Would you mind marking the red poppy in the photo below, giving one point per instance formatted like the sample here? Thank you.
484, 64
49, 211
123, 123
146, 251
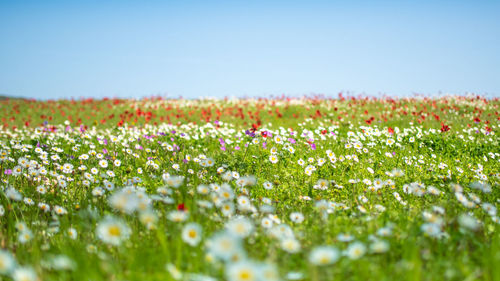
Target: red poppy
444, 128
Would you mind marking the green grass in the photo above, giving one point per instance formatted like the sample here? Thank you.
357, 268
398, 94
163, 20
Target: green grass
466, 247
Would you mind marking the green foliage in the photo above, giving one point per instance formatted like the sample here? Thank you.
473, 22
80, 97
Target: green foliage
397, 199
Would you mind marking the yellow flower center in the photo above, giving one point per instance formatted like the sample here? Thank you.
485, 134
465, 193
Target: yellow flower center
114, 230
324, 260
245, 275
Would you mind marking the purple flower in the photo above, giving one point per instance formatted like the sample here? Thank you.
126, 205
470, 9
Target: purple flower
8, 171
291, 140
250, 133
237, 147
313, 146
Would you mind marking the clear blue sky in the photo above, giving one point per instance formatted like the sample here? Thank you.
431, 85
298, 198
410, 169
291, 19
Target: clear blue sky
54, 49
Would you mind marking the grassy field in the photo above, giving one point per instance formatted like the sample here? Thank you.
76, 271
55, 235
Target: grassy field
250, 189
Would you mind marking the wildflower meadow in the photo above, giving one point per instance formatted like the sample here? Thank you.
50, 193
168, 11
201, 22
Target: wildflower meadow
345, 188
